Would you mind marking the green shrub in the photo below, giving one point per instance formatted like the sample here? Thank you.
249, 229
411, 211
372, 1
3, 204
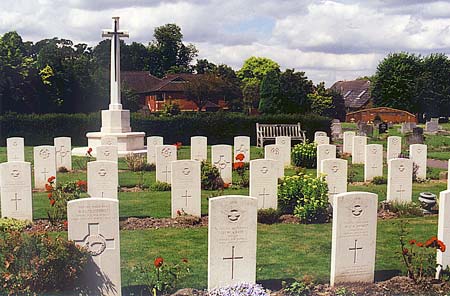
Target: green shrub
11, 224
378, 180
268, 216
160, 186
404, 209
36, 263
219, 127
211, 179
298, 289
304, 196
305, 155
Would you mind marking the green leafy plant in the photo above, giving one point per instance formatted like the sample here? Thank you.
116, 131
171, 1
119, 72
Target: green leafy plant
404, 209
298, 288
161, 277
304, 155
59, 194
160, 186
268, 216
135, 162
11, 224
211, 179
241, 168
35, 262
419, 257
304, 196
378, 180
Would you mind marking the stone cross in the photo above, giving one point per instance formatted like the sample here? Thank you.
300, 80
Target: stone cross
232, 258
166, 173
355, 250
221, 163
115, 36
16, 199
186, 197
264, 195
44, 171
62, 152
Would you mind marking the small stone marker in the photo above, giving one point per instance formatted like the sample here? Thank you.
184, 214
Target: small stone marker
373, 162
443, 258
432, 126
199, 148
15, 149
44, 165
382, 128
418, 154
108, 153
335, 170
319, 134
348, 142
63, 149
15, 184
186, 188
231, 240
94, 223
321, 140
399, 186
109, 141
394, 147
103, 179
275, 152
221, 159
358, 148
336, 129
324, 151
264, 182
152, 142
354, 235
285, 143
241, 146
416, 137
165, 154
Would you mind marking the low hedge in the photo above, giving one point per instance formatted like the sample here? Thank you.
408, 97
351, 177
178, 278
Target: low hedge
220, 127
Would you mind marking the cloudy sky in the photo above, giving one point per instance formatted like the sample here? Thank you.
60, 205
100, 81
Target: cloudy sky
329, 40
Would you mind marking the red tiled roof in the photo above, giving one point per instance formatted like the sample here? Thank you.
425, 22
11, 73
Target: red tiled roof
139, 81
356, 93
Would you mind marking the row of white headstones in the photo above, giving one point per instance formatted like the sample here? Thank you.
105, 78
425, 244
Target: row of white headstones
93, 223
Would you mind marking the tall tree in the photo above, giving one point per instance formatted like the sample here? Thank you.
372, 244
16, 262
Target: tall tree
256, 67
203, 88
204, 66
294, 90
269, 102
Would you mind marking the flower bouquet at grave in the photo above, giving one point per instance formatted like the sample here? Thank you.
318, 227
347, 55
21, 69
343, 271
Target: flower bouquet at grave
305, 155
58, 196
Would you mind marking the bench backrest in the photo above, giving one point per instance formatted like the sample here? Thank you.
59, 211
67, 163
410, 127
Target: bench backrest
275, 130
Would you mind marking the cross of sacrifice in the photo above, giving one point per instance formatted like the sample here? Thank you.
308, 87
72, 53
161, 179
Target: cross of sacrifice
355, 250
95, 242
186, 196
16, 199
166, 173
264, 194
232, 258
115, 36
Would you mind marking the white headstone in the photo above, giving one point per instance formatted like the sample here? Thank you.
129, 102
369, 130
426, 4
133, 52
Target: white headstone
348, 141
358, 148
221, 159
394, 147
325, 151
285, 143
44, 165
15, 149
94, 223
264, 182
335, 170
103, 179
152, 142
109, 141
165, 154
443, 258
322, 140
319, 134
399, 186
354, 236
199, 148
108, 153
242, 146
275, 152
418, 154
63, 149
231, 240
186, 187
373, 162
432, 126
15, 184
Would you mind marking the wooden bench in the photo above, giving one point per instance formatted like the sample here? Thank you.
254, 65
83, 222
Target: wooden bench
271, 131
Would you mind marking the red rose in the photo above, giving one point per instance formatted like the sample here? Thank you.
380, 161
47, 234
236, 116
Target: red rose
226, 185
240, 157
48, 187
158, 262
238, 165
412, 242
52, 202
50, 195
66, 224
50, 180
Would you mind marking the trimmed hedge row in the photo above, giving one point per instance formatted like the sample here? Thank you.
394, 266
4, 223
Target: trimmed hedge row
220, 127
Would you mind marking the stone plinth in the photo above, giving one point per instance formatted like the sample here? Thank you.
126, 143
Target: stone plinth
115, 121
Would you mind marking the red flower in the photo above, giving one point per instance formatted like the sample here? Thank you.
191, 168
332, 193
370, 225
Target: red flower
52, 202
48, 187
184, 260
89, 151
82, 184
431, 242
178, 213
238, 165
240, 157
412, 242
226, 185
50, 195
405, 251
158, 262
66, 224
419, 244
178, 145
441, 246
50, 180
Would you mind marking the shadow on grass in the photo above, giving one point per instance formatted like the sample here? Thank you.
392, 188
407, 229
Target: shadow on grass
275, 284
384, 275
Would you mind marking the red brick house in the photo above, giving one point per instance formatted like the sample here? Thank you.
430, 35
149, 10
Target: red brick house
157, 92
356, 94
